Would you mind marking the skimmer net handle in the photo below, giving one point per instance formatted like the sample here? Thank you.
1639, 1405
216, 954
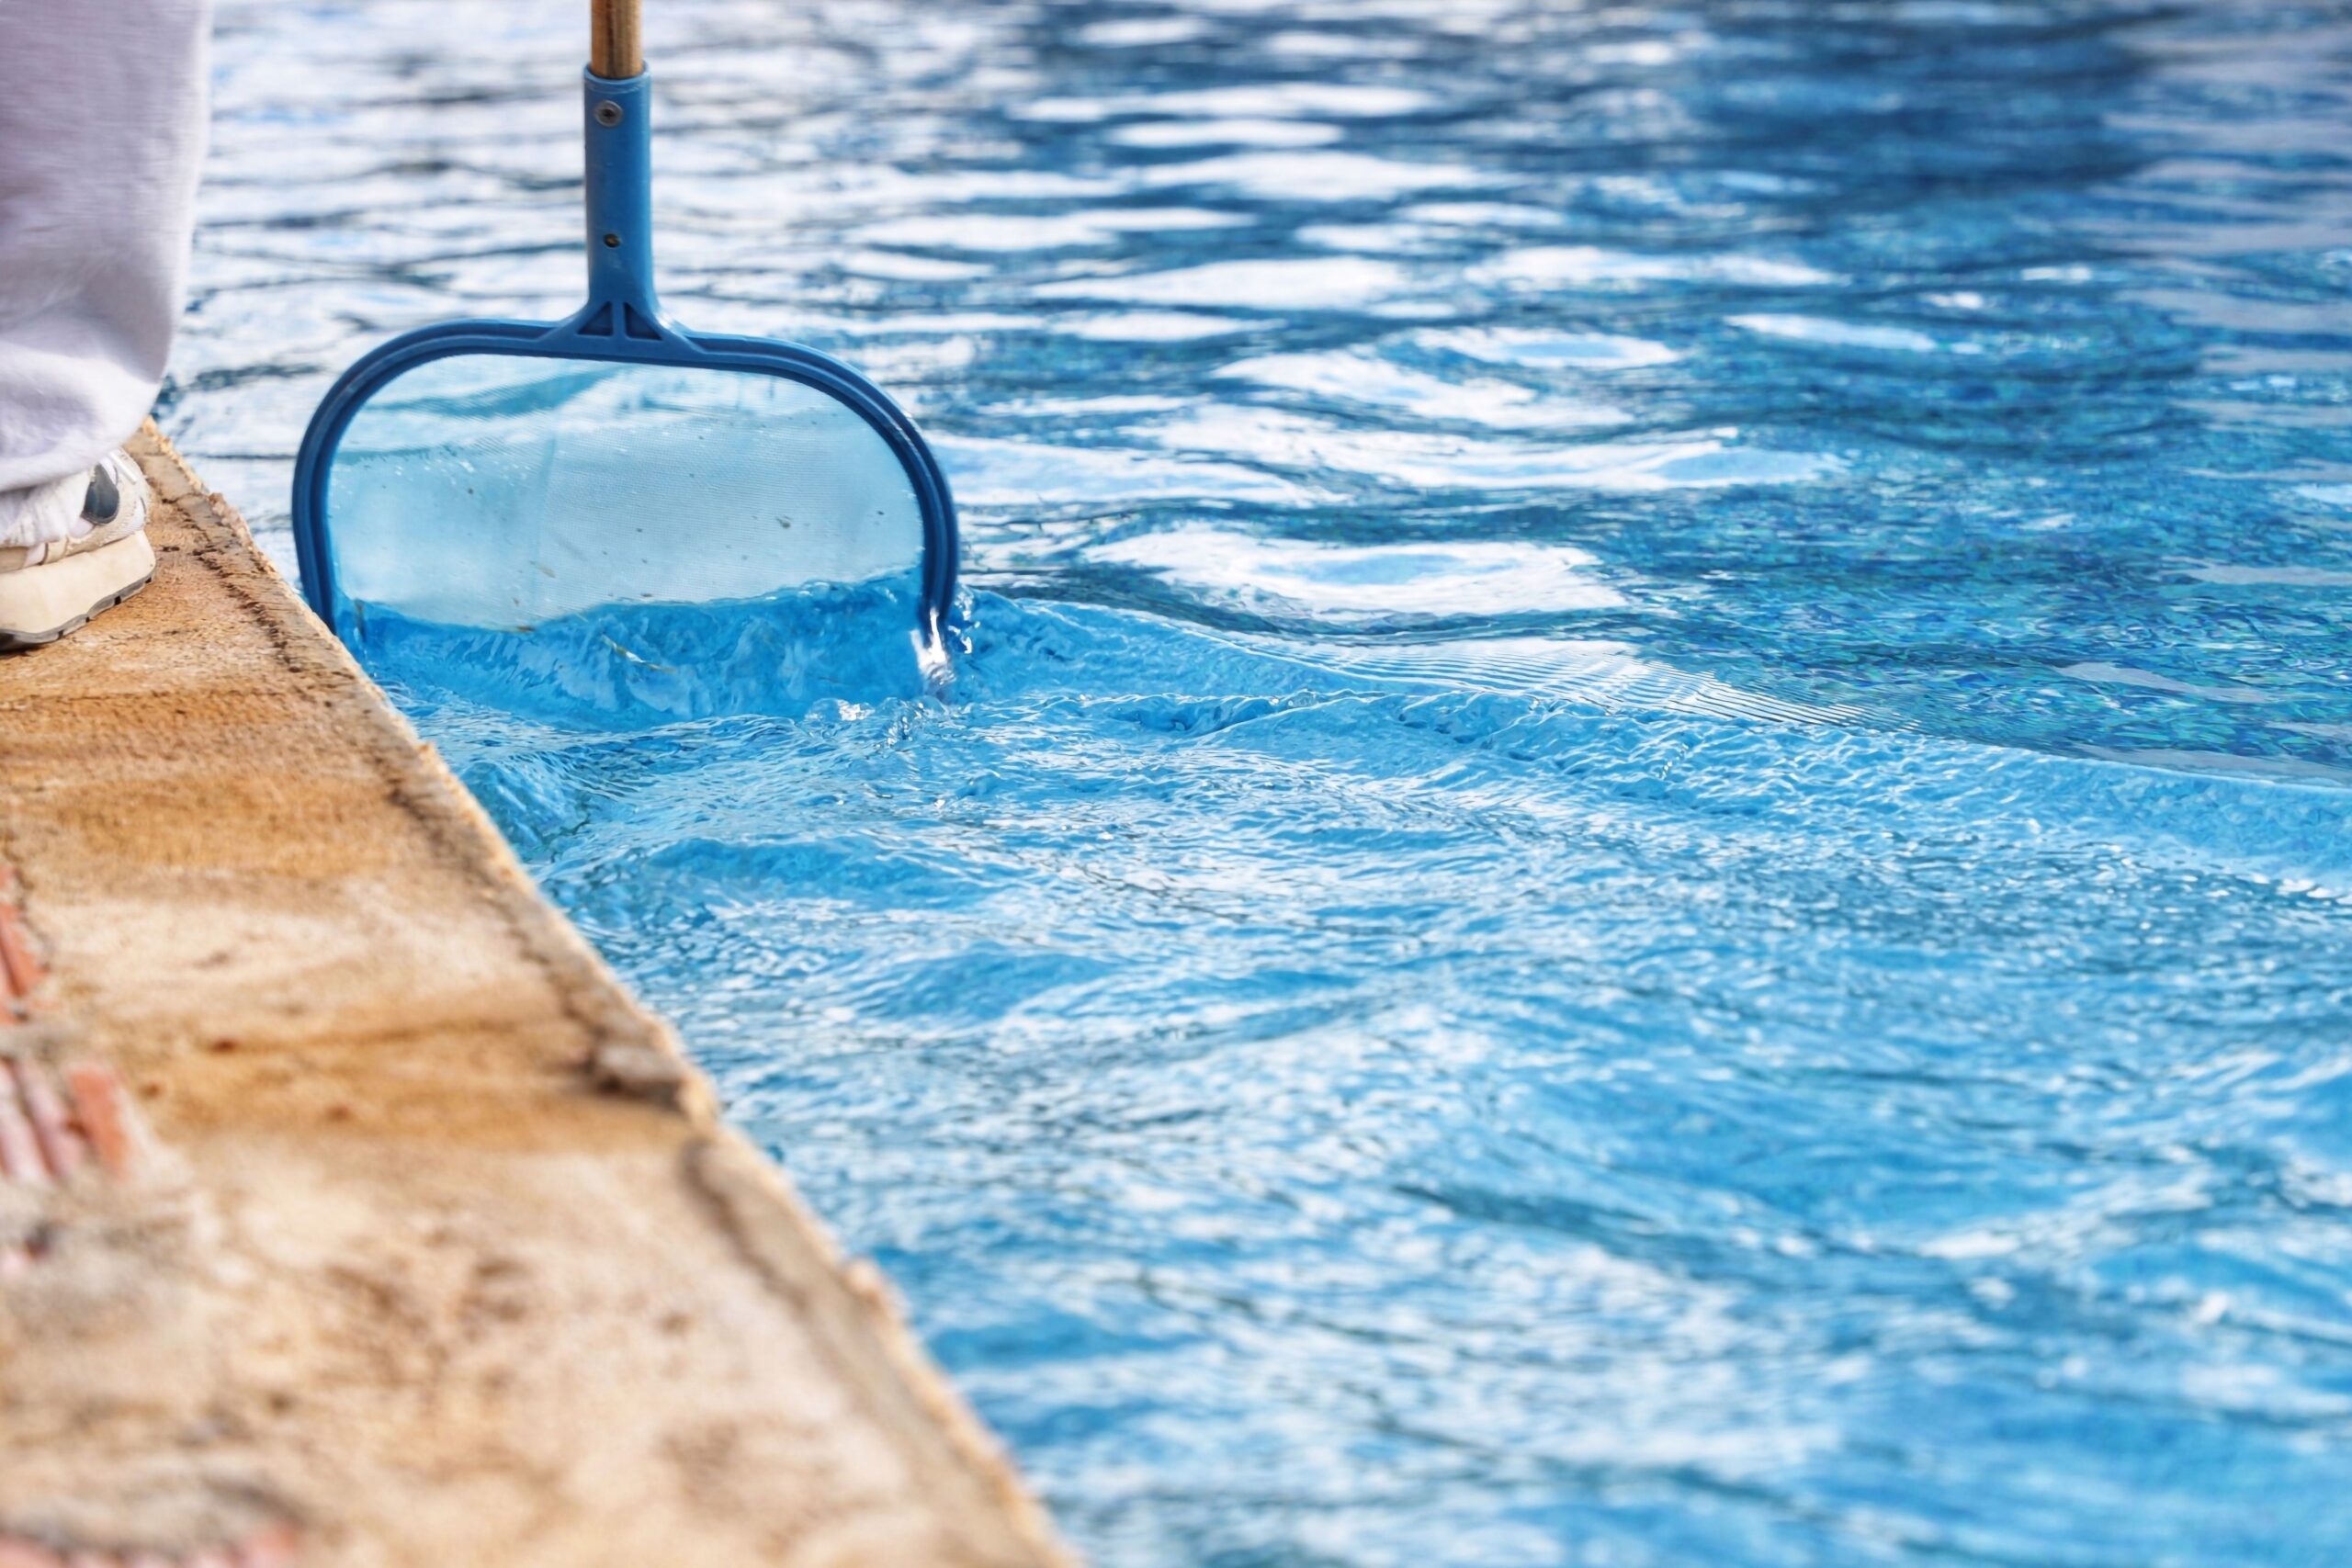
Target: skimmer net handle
615, 50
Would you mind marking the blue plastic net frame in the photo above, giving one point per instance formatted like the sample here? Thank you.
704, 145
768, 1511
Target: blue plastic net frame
621, 323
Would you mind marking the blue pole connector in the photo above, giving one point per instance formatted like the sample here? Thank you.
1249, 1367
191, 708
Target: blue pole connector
619, 143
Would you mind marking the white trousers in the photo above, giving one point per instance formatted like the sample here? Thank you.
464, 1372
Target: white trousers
102, 129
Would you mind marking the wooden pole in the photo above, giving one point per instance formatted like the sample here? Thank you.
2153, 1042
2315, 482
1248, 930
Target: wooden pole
617, 51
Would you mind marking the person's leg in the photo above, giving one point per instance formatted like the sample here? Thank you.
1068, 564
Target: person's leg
101, 133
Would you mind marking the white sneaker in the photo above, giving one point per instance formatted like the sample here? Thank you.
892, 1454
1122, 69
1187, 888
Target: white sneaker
48, 590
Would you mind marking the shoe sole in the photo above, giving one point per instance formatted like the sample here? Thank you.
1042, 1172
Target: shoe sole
40, 603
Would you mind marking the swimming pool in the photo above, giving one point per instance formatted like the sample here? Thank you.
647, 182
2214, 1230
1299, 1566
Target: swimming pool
1642, 854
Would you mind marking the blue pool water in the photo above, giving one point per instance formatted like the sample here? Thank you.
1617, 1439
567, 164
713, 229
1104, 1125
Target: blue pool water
1641, 852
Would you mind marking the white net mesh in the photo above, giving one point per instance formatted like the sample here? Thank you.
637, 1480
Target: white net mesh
499, 491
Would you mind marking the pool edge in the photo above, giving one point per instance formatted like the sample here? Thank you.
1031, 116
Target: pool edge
434, 1249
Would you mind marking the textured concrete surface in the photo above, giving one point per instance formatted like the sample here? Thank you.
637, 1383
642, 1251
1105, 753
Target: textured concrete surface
432, 1251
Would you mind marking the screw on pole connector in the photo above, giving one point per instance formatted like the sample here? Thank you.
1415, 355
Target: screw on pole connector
608, 113
612, 242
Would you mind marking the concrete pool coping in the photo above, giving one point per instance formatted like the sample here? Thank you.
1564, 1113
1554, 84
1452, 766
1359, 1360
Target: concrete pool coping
372, 1221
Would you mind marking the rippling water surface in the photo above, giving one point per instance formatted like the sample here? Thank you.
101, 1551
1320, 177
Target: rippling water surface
1642, 856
